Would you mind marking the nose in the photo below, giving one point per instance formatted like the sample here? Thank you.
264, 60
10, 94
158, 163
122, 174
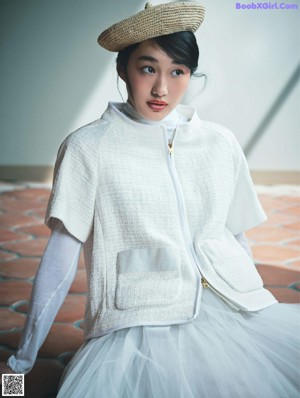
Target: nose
160, 87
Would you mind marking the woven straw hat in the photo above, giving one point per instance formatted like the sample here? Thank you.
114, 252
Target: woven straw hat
153, 21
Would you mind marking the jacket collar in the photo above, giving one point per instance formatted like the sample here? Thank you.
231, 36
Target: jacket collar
113, 113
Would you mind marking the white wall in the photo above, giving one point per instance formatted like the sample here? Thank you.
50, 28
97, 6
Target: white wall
249, 56
55, 77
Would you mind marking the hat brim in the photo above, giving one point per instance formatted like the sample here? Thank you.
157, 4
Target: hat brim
152, 22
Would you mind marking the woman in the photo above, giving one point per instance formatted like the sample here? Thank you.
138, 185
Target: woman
157, 198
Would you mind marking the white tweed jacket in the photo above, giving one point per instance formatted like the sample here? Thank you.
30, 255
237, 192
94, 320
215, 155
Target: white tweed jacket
156, 223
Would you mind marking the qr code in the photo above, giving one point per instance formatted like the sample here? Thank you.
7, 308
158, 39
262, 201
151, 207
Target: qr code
13, 385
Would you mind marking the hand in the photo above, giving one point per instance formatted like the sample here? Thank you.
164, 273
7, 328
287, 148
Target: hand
5, 369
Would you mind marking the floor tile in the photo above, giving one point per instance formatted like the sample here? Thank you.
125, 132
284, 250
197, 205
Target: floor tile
72, 310
295, 264
271, 234
15, 220
284, 295
10, 319
5, 256
43, 380
79, 284
279, 219
10, 339
81, 263
39, 230
293, 225
8, 236
21, 268
61, 338
293, 243
23, 237
30, 248
291, 210
272, 254
39, 214
277, 276
32, 194
270, 202
13, 291
17, 206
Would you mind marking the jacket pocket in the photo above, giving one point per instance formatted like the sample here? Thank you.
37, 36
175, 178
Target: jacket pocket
148, 276
239, 272
230, 261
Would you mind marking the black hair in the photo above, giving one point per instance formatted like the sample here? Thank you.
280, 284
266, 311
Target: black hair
180, 46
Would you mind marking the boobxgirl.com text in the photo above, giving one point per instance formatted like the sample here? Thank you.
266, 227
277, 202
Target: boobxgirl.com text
266, 6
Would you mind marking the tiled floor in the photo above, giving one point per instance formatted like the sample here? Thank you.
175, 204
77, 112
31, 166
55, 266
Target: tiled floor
23, 237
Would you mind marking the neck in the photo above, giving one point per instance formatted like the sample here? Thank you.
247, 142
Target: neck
171, 119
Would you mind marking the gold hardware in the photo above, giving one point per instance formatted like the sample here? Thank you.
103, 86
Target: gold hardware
204, 282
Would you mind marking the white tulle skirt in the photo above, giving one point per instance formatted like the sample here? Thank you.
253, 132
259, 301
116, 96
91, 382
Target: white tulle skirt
223, 353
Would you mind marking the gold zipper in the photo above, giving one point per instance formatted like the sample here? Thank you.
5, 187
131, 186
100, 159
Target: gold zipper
204, 282
170, 144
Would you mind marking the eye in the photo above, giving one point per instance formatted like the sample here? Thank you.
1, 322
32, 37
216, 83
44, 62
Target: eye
177, 72
148, 69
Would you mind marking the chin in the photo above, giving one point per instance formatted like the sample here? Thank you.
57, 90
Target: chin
157, 116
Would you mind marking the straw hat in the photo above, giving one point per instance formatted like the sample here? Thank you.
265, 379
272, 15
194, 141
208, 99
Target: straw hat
153, 21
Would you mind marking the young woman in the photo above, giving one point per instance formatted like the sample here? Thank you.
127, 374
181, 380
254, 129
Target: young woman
160, 201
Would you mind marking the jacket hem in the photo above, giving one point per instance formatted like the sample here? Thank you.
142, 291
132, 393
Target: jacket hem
133, 324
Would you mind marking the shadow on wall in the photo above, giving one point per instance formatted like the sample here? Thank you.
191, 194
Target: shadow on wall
50, 63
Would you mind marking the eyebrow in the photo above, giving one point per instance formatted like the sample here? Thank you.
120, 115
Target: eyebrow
147, 58
152, 59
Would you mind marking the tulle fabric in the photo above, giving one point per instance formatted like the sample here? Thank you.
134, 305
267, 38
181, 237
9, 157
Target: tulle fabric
223, 353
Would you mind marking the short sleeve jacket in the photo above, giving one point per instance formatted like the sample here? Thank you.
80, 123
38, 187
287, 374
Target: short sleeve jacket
154, 222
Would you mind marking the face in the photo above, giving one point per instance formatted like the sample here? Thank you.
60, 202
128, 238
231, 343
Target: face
155, 83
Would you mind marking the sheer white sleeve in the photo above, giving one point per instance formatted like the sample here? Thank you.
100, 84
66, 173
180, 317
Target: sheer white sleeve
53, 279
243, 241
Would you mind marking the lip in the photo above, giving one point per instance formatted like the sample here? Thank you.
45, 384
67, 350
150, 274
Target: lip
157, 105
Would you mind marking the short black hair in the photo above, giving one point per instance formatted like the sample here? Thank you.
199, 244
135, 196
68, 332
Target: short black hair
180, 46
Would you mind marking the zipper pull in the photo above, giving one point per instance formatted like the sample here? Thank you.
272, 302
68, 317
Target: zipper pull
204, 282
170, 148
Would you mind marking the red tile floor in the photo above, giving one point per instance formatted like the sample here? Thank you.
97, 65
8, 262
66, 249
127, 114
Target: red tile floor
23, 237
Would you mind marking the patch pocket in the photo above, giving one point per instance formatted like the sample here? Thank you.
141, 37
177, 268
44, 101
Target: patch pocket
148, 276
239, 272
230, 261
